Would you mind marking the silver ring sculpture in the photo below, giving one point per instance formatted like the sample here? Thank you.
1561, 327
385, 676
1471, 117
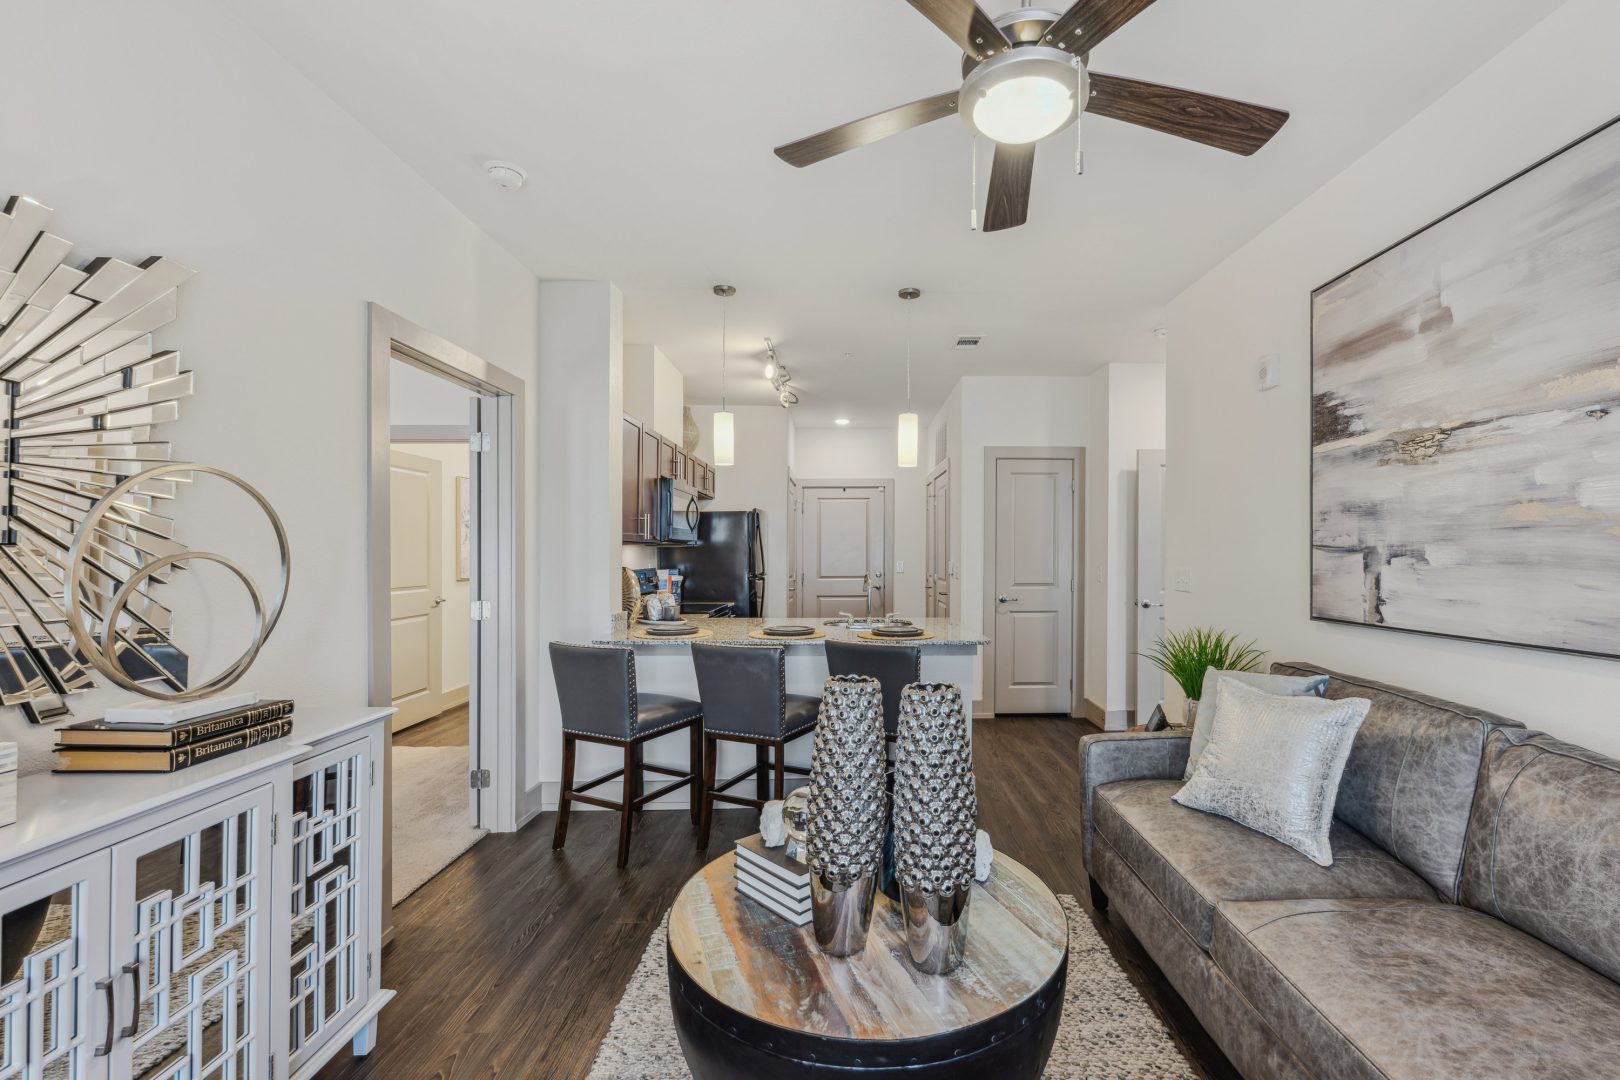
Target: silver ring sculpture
102, 653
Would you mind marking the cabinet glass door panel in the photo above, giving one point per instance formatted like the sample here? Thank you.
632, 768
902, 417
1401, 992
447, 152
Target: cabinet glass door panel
191, 926
328, 894
55, 988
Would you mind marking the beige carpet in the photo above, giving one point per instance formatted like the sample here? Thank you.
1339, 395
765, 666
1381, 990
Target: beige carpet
1107, 1031
430, 813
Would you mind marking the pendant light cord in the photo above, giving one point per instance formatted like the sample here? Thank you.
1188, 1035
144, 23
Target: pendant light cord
908, 356
724, 303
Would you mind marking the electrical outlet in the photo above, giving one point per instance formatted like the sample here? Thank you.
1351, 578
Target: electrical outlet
1183, 579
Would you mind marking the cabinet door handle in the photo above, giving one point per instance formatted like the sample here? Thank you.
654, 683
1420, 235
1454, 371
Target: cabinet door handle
133, 970
106, 987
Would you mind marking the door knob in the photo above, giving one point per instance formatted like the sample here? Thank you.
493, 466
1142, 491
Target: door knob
437, 600
1006, 600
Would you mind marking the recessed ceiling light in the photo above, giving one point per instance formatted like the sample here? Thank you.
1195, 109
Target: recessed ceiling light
842, 421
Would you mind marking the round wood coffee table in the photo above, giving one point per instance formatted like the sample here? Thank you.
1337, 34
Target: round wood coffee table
754, 997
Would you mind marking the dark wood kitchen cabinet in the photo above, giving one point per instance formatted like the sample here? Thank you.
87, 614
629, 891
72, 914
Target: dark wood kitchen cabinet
668, 459
634, 522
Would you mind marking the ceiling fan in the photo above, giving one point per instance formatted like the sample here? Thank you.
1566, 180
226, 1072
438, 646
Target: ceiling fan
1026, 77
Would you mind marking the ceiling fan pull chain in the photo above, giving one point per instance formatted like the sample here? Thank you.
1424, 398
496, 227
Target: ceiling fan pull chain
1079, 122
973, 206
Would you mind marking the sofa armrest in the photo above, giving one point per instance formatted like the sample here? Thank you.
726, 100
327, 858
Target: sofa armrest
1121, 755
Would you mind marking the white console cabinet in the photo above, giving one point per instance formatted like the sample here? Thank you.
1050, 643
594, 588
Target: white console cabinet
220, 923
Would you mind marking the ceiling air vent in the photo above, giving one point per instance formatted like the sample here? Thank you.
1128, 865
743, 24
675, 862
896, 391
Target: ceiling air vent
967, 343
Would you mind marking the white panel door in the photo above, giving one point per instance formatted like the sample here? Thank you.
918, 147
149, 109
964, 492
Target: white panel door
1148, 689
415, 602
794, 571
844, 548
1034, 585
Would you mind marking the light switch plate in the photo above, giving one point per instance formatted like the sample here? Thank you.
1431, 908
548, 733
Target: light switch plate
1183, 579
1269, 371
899, 566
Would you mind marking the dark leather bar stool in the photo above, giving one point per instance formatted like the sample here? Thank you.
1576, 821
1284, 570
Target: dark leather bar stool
744, 693
596, 688
895, 667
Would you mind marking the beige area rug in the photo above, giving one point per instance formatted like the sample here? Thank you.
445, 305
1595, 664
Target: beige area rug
1107, 1031
430, 813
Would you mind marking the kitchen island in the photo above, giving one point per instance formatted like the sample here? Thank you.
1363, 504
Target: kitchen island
664, 666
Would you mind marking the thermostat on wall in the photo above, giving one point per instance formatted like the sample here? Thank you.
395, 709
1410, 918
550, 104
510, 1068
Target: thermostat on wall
1270, 371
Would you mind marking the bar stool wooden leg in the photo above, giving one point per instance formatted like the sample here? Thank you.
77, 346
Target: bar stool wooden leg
695, 763
710, 751
762, 778
640, 784
627, 808
781, 771
563, 802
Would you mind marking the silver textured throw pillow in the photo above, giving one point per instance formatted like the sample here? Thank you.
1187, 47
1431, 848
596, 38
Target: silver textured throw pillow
1209, 696
1274, 764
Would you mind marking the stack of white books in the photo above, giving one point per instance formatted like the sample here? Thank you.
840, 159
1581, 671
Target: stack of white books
769, 877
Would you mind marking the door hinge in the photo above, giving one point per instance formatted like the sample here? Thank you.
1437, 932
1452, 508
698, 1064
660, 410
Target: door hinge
373, 774
272, 1066
479, 442
481, 610
275, 829
479, 779
368, 965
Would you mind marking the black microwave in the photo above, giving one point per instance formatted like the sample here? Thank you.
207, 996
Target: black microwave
678, 513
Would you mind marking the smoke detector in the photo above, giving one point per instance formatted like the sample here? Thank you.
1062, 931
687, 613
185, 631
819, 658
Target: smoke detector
505, 174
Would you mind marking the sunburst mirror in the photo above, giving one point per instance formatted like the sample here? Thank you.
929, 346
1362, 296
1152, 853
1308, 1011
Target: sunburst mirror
85, 397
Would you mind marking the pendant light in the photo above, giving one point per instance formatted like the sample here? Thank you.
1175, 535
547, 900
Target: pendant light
725, 424
906, 432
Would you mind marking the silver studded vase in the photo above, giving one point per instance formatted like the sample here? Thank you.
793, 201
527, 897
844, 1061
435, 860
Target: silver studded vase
935, 823
845, 816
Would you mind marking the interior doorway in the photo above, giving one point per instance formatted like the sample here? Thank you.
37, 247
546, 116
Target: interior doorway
937, 507
1147, 628
846, 531
1032, 574
446, 592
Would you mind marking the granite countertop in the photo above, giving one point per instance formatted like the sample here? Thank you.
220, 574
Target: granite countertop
736, 631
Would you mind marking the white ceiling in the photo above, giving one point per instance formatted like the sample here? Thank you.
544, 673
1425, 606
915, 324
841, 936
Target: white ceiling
646, 127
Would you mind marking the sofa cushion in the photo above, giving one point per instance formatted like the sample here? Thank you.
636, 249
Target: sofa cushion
1544, 845
1409, 783
1376, 990
1192, 860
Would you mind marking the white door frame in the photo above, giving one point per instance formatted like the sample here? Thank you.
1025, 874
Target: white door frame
931, 523
495, 672
992, 455
888, 531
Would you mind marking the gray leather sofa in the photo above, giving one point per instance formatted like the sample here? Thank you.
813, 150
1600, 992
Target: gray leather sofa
1469, 926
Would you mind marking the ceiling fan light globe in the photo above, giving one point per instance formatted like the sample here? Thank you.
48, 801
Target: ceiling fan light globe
1023, 110
1023, 95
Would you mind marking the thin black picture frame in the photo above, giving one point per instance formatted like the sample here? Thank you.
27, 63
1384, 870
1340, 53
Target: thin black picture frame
1310, 510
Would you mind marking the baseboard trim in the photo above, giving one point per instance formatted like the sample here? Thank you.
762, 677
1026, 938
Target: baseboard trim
1108, 720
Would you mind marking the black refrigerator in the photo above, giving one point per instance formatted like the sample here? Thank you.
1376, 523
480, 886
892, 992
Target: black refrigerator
725, 568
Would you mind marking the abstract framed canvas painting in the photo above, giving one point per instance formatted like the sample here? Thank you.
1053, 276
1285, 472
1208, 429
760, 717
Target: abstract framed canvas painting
1465, 429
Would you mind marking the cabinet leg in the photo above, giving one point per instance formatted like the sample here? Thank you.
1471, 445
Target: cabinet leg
366, 1041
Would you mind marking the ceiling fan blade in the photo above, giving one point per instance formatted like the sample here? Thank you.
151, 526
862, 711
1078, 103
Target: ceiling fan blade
868, 129
1088, 22
1219, 122
1007, 205
965, 23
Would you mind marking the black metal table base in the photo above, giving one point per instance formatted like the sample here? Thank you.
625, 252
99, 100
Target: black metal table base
721, 1043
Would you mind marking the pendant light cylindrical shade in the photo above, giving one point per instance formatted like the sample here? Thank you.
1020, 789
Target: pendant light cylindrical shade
725, 439
908, 440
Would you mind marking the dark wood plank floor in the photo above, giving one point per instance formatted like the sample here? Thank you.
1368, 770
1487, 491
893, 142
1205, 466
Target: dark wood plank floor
509, 963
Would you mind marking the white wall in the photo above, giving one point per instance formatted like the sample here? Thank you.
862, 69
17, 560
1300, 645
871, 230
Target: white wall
170, 129
1128, 414
853, 453
758, 480
453, 459
582, 385
1238, 475
417, 398
654, 390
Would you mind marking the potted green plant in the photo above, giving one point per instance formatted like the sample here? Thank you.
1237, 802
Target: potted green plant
1187, 655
